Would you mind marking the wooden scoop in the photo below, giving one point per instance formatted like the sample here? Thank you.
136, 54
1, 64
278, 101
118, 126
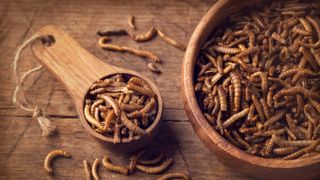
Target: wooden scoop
77, 70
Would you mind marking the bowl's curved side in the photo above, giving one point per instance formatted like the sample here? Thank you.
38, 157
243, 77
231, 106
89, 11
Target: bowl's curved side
226, 152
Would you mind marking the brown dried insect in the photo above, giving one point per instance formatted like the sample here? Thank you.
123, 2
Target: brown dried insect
144, 37
53, 155
95, 169
131, 22
87, 169
156, 169
153, 68
114, 168
170, 41
174, 175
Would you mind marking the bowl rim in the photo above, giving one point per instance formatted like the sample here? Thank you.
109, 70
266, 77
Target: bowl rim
207, 134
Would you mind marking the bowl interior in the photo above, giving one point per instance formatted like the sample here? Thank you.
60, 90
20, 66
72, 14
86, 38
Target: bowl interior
151, 129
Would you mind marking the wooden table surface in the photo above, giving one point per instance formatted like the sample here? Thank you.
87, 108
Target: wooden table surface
22, 148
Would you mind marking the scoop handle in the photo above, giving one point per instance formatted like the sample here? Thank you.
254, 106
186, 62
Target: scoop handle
75, 67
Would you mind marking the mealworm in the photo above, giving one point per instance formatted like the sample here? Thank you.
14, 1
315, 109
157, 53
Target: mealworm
300, 31
278, 38
113, 167
307, 108
131, 22
264, 81
130, 107
235, 81
174, 175
270, 132
153, 68
226, 50
134, 160
231, 97
170, 41
305, 150
290, 133
131, 126
90, 118
117, 134
297, 143
270, 145
156, 169
249, 51
258, 107
219, 122
238, 41
112, 102
87, 169
241, 141
141, 90
53, 155
235, 118
144, 37
284, 150
112, 32
248, 130
274, 118
95, 104
315, 104
258, 21
296, 90
222, 98
316, 26
95, 169
151, 161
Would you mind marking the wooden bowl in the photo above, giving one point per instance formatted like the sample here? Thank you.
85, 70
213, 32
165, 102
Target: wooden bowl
227, 153
77, 70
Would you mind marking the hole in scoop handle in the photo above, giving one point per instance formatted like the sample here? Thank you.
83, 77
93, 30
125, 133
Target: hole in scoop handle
76, 68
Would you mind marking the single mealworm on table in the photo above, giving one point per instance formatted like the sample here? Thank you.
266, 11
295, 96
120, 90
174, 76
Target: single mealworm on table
170, 41
134, 160
153, 68
144, 37
174, 175
53, 155
95, 169
113, 167
131, 22
87, 169
107, 33
156, 169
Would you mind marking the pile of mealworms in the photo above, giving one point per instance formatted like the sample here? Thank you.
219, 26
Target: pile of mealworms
120, 106
257, 80
146, 160
104, 40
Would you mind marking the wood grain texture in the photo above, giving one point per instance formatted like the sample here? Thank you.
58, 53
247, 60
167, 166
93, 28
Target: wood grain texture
22, 148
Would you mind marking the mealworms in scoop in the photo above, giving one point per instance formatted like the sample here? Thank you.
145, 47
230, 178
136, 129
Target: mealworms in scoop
170, 41
113, 167
53, 155
156, 169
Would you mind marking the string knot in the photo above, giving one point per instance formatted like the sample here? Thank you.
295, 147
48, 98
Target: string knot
48, 128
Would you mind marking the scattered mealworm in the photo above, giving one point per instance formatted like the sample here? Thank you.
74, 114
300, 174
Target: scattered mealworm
131, 22
53, 155
112, 32
174, 175
95, 169
87, 169
144, 37
151, 161
153, 68
156, 169
114, 168
171, 41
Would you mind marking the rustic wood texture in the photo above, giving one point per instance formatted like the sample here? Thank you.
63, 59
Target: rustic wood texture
22, 148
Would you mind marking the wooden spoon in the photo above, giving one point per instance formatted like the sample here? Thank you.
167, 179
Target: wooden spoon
77, 70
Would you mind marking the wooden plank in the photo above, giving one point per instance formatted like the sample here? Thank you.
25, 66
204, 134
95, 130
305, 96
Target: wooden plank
23, 157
